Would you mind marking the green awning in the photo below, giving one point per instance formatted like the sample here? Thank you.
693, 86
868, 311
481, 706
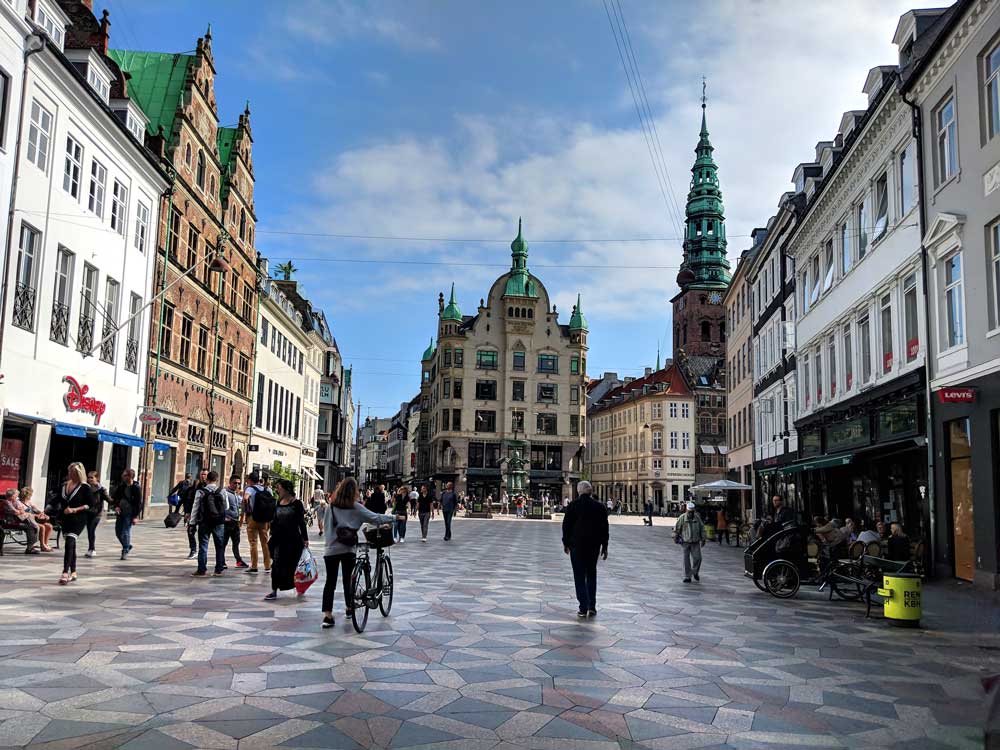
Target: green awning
821, 463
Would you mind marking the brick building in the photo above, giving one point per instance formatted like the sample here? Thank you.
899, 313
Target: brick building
204, 332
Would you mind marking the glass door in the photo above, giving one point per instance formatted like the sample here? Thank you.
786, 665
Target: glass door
960, 496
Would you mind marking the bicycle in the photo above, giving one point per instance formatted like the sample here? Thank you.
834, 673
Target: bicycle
366, 593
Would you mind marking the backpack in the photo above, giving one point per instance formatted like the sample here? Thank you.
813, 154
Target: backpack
213, 508
263, 506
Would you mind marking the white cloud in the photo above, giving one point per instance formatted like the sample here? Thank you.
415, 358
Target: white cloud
328, 22
779, 77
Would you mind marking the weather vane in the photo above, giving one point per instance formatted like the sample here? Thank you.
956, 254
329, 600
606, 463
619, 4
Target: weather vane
704, 84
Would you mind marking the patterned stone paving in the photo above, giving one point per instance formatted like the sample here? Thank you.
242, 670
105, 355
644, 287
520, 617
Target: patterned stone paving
482, 651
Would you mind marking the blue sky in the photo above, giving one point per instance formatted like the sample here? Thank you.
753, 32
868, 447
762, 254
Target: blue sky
450, 119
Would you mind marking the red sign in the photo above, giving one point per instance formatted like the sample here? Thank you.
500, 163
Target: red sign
850, 380
11, 451
912, 349
887, 362
76, 399
956, 395
833, 388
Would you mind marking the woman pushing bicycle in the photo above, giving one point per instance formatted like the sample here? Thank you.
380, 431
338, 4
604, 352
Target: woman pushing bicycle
344, 516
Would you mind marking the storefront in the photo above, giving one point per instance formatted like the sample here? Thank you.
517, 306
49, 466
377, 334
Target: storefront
866, 459
774, 476
967, 434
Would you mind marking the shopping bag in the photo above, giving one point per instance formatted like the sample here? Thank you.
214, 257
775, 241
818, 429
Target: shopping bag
173, 518
306, 571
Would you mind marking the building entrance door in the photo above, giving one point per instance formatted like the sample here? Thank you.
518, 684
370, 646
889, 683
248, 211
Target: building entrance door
960, 496
64, 450
163, 474
119, 462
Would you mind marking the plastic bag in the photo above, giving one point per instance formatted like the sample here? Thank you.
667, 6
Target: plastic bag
306, 572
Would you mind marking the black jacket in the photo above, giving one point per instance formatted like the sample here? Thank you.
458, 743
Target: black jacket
783, 516
376, 503
187, 499
129, 498
585, 524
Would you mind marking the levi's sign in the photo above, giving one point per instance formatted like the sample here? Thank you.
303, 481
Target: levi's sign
76, 399
956, 395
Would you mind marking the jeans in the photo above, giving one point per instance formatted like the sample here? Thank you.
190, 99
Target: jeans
232, 534
192, 535
218, 534
692, 558
399, 528
123, 530
425, 519
92, 520
333, 562
69, 553
448, 514
719, 532
257, 534
584, 564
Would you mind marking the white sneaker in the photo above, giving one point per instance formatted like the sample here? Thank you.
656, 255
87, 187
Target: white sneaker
91, 553
424, 539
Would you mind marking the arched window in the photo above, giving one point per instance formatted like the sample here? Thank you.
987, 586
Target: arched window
187, 154
211, 184
706, 331
243, 223
531, 313
200, 174
510, 312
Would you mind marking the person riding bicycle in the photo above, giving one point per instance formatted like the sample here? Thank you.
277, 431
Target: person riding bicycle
344, 516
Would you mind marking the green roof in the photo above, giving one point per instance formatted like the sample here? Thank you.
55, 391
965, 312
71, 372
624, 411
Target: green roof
577, 322
519, 281
225, 139
452, 312
156, 84
429, 352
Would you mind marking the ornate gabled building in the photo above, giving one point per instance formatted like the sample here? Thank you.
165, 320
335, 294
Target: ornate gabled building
509, 376
699, 317
204, 326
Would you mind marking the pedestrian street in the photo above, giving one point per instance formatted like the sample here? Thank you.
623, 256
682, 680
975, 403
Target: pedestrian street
482, 650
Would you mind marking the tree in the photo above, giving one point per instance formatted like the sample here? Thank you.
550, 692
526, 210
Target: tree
286, 270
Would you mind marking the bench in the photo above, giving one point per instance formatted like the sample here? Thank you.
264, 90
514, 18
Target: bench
14, 530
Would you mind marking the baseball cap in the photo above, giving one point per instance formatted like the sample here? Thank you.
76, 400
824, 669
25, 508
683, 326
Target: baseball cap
690, 506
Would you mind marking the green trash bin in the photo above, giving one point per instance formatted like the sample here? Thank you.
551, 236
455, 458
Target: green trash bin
710, 531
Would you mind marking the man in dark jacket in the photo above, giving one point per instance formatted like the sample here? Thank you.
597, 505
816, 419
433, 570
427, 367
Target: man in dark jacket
187, 501
449, 501
376, 503
127, 501
585, 536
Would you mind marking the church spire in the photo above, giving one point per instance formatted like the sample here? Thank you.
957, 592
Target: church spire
705, 265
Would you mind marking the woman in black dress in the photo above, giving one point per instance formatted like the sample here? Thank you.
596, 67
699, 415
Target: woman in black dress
288, 537
77, 500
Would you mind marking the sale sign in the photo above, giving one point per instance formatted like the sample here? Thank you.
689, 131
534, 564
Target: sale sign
11, 450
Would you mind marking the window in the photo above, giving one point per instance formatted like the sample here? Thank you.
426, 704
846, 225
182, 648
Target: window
955, 332
51, 27
485, 360
174, 233
685, 440
134, 332
39, 135
98, 178
994, 254
458, 358
991, 75
848, 358
881, 206
657, 440
574, 365
574, 424
831, 359
574, 394
907, 171
230, 355
517, 390
446, 419
187, 324
806, 393
4, 103
187, 154
685, 411
673, 440
518, 360
167, 330
447, 389
815, 275
243, 223
59, 329
805, 293
456, 419
447, 358
546, 424
548, 393
73, 168
119, 207
98, 84
517, 421
247, 302
24, 294
112, 297
202, 350
865, 341
200, 172
885, 305
192, 251
818, 373
457, 389
656, 409
486, 421
548, 363
828, 259
946, 151
911, 334
243, 378
486, 390
863, 238
845, 249
142, 226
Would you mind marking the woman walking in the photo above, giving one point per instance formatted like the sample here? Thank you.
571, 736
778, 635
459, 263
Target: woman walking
77, 501
424, 505
95, 514
344, 516
400, 505
288, 537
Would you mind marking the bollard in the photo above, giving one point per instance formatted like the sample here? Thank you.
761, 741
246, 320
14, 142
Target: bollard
902, 595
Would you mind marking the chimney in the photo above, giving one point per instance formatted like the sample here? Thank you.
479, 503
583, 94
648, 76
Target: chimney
102, 41
88, 4
649, 371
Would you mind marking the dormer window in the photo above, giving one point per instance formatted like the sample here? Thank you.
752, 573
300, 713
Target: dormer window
135, 128
99, 85
51, 25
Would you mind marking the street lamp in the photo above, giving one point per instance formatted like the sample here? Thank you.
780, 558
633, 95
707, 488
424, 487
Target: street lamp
644, 427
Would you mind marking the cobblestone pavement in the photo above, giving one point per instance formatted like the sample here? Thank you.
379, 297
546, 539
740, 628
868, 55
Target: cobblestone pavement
482, 651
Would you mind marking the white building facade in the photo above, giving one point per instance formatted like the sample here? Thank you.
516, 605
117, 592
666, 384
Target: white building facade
79, 268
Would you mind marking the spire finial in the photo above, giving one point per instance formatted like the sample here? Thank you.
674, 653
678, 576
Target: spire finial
452, 300
704, 86
208, 33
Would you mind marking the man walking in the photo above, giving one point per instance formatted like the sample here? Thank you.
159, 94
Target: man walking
234, 518
448, 502
258, 517
208, 514
648, 507
690, 532
424, 503
128, 507
187, 500
584, 537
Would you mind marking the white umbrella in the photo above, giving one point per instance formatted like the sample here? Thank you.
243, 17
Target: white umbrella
720, 485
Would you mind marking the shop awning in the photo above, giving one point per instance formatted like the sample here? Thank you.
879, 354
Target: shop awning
27, 417
72, 430
119, 438
821, 463
709, 449
158, 447
310, 474
723, 449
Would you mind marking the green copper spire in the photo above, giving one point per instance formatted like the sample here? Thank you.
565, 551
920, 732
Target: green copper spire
577, 322
657, 359
519, 282
705, 265
451, 312
429, 352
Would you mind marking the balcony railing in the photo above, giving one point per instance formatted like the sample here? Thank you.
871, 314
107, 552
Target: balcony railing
24, 307
108, 342
132, 355
59, 330
85, 335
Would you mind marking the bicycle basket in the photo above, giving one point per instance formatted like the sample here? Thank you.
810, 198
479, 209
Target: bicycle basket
379, 537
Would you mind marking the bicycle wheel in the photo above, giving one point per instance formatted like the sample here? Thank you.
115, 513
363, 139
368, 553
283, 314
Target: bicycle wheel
781, 579
360, 582
384, 577
846, 589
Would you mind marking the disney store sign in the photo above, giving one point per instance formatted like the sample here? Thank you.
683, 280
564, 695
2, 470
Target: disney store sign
76, 399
